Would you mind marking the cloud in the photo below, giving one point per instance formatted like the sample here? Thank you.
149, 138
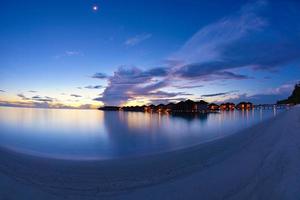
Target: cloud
69, 53
129, 83
99, 75
2, 90
93, 87
42, 99
75, 95
137, 39
32, 91
206, 44
286, 88
72, 53
37, 101
253, 37
271, 95
187, 86
207, 72
219, 94
23, 97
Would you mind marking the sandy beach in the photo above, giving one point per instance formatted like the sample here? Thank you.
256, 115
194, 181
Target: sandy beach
261, 162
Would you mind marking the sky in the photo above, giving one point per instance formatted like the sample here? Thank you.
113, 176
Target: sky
86, 54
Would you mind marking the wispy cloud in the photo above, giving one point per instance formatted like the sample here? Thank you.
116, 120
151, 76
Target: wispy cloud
32, 91
188, 86
93, 87
23, 97
75, 95
72, 53
69, 53
42, 98
36, 98
137, 39
219, 94
99, 75
2, 90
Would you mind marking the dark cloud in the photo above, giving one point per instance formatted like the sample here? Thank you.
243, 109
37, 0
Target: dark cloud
42, 99
75, 95
2, 90
99, 76
35, 101
162, 94
219, 94
208, 72
93, 87
158, 71
262, 54
188, 86
23, 97
255, 37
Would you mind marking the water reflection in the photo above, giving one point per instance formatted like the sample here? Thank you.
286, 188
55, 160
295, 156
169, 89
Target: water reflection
93, 134
202, 117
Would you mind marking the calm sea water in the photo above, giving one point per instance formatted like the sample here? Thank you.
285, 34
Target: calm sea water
93, 134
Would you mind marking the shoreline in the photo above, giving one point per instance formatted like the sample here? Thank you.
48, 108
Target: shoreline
192, 173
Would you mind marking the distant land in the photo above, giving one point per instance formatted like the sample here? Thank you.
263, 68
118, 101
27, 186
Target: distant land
294, 98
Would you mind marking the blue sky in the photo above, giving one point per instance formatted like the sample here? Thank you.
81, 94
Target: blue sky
65, 54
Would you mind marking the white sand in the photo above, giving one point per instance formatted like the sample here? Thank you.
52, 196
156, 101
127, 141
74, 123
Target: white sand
263, 162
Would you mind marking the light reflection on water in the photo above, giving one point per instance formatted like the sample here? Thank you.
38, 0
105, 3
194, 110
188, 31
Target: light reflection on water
93, 134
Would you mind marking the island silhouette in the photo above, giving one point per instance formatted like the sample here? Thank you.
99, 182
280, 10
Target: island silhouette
190, 106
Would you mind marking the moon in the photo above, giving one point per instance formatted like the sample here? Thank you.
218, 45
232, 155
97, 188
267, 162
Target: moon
95, 8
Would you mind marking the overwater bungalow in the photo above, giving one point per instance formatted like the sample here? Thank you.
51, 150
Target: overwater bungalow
201, 106
179, 107
109, 108
160, 108
149, 108
134, 108
213, 107
244, 106
189, 106
227, 106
